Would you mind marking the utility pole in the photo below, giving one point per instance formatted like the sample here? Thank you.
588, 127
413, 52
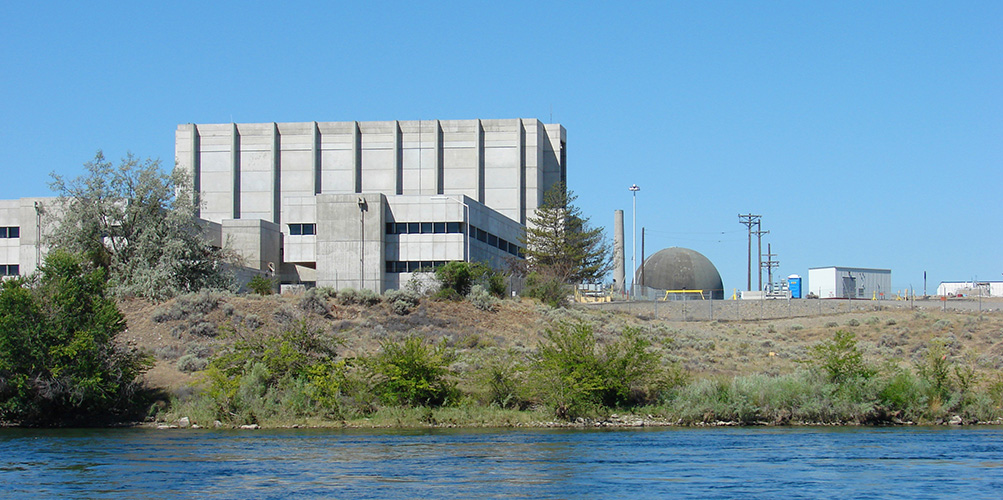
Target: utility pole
749, 220
759, 236
770, 264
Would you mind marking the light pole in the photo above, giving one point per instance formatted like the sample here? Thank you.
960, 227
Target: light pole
633, 245
466, 222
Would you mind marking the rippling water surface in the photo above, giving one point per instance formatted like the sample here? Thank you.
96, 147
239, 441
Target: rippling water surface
678, 463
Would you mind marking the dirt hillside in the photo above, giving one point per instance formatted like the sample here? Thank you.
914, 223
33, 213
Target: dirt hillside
182, 333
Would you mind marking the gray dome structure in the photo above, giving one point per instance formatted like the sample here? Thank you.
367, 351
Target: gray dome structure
681, 269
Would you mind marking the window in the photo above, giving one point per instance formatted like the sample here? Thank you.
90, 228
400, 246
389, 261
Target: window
10, 269
492, 240
390, 228
438, 227
426, 227
454, 227
400, 228
413, 227
413, 266
482, 236
302, 229
10, 232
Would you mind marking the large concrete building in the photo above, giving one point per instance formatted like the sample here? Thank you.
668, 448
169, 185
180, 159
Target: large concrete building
365, 204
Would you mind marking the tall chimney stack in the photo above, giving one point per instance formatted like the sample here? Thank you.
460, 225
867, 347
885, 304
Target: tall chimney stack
618, 258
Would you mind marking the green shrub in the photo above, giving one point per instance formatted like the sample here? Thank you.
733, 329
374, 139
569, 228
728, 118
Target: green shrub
365, 297
579, 377
191, 363
547, 289
315, 301
59, 362
935, 370
460, 277
259, 374
261, 285
840, 359
853, 322
191, 304
481, 299
402, 301
503, 378
411, 372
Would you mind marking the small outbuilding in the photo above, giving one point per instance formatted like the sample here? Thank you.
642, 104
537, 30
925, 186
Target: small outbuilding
850, 282
973, 288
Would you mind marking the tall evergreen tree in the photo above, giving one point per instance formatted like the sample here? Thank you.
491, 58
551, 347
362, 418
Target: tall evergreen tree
561, 242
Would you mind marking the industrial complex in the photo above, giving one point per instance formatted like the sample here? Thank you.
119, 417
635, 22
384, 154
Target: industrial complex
351, 204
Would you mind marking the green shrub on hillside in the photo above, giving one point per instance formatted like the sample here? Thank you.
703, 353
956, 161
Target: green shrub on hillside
263, 375
261, 285
402, 301
456, 279
413, 373
840, 359
547, 289
578, 376
365, 297
59, 362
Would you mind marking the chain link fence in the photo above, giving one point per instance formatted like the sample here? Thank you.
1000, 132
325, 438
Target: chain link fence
695, 309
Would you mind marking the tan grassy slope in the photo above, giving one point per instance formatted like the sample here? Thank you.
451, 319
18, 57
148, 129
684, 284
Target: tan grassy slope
703, 348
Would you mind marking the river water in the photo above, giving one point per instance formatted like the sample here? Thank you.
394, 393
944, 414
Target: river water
764, 463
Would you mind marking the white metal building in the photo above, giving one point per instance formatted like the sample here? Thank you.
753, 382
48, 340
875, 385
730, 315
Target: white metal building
849, 283
973, 288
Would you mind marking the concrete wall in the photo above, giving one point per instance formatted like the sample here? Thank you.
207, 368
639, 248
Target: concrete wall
246, 171
257, 241
350, 250
26, 250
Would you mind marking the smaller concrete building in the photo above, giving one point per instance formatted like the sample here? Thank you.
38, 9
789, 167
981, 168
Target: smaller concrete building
850, 282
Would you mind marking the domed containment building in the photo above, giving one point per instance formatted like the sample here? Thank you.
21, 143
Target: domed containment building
681, 269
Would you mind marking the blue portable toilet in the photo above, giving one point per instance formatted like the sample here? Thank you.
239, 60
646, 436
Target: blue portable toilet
794, 285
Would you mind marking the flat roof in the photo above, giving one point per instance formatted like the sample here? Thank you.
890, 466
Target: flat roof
852, 269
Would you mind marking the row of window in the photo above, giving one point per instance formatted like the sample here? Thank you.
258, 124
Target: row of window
424, 228
302, 229
428, 228
10, 270
413, 266
10, 232
499, 243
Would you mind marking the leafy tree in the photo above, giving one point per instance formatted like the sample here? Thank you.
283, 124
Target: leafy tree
138, 223
58, 359
560, 241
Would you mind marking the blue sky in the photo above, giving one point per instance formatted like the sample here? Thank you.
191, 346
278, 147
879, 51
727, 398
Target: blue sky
867, 134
